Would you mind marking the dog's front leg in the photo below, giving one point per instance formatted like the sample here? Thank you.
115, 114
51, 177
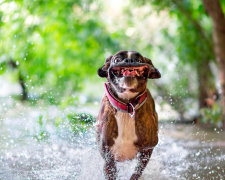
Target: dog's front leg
143, 160
110, 167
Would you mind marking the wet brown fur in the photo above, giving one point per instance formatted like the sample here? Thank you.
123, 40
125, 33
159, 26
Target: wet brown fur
146, 124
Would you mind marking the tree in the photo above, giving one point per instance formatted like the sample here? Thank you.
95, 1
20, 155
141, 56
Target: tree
53, 45
192, 41
214, 9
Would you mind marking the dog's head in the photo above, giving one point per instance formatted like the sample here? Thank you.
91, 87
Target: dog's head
128, 71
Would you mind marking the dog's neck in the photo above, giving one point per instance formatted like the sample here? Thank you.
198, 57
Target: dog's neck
125, 95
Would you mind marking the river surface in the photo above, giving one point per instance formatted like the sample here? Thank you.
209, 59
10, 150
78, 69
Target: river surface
183, 152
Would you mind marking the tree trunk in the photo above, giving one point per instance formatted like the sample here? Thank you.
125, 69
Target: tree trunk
21, 80
23, 86
206, 84
214, 10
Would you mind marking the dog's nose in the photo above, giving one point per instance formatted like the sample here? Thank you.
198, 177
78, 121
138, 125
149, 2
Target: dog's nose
129, 60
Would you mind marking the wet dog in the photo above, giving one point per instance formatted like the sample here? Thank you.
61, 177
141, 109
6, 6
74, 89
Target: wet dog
127, 123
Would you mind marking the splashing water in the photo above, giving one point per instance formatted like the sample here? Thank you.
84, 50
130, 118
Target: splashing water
183, 152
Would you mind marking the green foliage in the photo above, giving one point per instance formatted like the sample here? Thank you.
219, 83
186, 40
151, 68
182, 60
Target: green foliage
190, 42
2, 67
56, 44
212, 115
193, 38
80, 122
42, 134
75, 123
69, 101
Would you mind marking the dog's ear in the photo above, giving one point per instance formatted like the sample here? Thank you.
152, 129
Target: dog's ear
103, 71
154, 73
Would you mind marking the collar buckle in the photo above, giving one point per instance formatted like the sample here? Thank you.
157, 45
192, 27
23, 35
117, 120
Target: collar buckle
133, 110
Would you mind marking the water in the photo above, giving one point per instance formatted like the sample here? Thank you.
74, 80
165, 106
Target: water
183, 152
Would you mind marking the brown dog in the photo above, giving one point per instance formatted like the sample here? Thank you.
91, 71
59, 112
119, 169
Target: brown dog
127, 123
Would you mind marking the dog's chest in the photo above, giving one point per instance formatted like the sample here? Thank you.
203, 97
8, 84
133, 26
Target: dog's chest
124, 148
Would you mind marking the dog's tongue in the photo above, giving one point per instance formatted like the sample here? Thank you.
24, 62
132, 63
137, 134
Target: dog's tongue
129, 73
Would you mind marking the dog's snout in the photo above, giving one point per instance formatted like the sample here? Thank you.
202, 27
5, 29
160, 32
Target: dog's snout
129, 60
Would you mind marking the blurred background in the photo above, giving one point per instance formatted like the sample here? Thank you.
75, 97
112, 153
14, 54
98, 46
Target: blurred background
50, 91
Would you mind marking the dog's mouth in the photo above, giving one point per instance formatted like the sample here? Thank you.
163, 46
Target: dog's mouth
141, 71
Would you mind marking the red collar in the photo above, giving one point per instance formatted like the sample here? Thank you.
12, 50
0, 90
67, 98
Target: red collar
126, 107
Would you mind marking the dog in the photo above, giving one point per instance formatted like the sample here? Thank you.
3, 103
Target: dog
127, 123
